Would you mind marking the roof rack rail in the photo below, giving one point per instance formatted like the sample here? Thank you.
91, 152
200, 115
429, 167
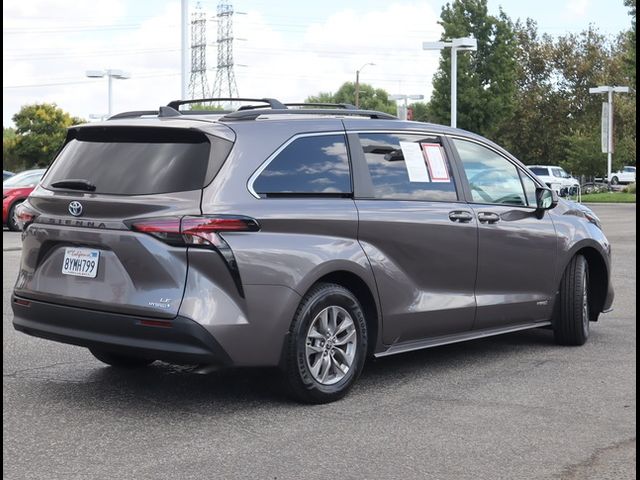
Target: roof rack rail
254, 114
272, 102
133, 114
346, 106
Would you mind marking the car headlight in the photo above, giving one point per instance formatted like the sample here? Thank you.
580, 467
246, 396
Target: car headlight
592, 218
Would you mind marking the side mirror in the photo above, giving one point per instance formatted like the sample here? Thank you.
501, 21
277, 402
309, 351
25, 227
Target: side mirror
546, 199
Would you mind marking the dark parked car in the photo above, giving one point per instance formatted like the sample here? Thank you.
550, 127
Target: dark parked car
14, 190
7, 174
303, 238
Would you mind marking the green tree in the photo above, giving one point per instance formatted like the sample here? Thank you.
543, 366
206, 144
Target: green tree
583, 61
323, 97
40, 131
370, 98
531, 132
420, 112
630, 43
205, 107
8, 158
486, 78
555, 118
582, 154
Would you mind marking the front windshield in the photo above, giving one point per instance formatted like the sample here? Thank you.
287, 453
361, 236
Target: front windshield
24, 179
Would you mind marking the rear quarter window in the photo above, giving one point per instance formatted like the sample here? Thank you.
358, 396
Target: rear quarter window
135, 161
310, 165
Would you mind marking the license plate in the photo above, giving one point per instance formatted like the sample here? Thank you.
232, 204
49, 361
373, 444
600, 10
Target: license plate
81, 262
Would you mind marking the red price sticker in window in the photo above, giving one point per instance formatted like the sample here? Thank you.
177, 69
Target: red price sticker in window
436, 163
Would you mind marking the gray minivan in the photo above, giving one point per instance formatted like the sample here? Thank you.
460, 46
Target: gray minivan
307, 237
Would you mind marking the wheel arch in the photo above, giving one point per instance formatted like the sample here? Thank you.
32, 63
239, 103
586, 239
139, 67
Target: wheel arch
365, 295
598, 275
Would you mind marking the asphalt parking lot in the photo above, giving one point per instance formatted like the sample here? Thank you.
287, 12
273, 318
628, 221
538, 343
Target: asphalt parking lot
509, 407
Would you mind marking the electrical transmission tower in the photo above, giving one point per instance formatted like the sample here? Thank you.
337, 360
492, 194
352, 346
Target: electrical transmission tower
225, 85
198, 84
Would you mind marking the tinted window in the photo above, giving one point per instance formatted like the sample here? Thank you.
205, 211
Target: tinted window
308, 165
492, 178
529, 189
629, 170
539, 170
385, 157
134, 161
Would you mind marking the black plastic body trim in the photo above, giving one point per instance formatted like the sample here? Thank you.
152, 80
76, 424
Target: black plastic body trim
181, 341
224, 250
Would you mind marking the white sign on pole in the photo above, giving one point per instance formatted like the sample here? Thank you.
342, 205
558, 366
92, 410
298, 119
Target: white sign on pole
604, 140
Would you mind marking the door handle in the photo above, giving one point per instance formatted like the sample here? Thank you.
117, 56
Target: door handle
488, 217
460, 216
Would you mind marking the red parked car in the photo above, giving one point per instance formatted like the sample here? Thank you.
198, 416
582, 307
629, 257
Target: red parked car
14, 191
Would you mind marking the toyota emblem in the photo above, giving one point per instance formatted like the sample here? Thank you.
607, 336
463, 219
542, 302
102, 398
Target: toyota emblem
75, 208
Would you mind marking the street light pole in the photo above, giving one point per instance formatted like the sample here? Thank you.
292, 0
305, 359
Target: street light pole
403, 115
454, 86
110, 74
610, 134
456, 45
109, 95
609, 90
184, 47
358, 82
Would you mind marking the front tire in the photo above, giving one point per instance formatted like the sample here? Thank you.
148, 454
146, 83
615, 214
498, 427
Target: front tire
327, 345
615, 181
571, 325
120, 361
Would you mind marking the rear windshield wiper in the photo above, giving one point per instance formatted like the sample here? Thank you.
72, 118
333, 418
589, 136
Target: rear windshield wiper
75, 184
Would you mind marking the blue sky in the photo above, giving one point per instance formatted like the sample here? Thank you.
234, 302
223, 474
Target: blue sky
289, 50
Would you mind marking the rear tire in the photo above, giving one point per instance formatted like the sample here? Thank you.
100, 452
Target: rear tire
615, 181
120, 361
11, 222
326, 346
571, 324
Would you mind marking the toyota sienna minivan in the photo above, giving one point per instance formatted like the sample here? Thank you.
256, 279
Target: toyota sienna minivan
304, 237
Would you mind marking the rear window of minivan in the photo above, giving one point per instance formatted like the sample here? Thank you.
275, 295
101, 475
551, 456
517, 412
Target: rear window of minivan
133, 161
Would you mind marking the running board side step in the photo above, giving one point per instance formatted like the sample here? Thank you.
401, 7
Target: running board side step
460, 337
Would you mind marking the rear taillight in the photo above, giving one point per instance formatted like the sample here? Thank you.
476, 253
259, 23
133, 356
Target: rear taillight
192, 230
24, 215
204, 230
200, 231
166, 229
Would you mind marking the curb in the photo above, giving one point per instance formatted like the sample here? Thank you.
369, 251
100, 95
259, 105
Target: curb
610, 203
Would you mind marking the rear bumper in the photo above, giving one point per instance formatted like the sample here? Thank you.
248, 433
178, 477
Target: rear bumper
179, 340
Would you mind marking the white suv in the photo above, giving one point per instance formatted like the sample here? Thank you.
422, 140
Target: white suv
625, 175
556, 179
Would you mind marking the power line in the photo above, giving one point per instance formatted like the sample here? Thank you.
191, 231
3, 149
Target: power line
76, 28
80, 82
90, 53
